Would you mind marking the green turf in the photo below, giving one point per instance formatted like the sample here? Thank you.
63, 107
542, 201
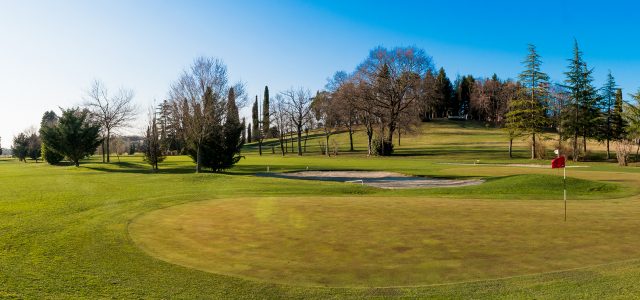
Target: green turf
64, 230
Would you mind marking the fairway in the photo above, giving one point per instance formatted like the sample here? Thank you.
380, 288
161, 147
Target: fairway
387, 241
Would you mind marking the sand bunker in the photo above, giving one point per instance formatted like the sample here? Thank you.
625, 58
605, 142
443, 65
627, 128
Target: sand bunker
380, 179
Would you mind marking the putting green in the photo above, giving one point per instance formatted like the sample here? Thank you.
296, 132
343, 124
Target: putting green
376, 241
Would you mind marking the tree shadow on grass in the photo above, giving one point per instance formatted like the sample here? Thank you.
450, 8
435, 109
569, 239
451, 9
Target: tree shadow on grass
136, 168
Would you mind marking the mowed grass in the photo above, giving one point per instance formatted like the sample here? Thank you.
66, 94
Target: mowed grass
387, 241
64, 231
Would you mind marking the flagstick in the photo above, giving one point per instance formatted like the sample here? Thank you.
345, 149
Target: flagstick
564, 183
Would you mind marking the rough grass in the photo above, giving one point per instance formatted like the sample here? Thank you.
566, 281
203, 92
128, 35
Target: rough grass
63, 230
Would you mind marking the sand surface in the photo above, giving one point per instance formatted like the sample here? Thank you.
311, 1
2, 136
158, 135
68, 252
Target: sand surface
380, 179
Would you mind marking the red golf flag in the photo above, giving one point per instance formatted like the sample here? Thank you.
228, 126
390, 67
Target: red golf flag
557, 162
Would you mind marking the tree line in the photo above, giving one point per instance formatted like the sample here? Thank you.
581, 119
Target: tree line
387, 95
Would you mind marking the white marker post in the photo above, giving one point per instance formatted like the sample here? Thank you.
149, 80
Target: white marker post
564, 183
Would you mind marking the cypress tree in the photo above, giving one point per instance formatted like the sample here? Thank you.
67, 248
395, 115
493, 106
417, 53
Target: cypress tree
244, 132
527, 113
265, 113
232, 134
617, 121
153, 149
257, 133
249, 135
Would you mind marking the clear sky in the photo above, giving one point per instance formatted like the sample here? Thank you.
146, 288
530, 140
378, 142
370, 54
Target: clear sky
51, 51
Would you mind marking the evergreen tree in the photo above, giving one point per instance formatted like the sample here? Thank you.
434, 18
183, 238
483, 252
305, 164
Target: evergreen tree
49, 119
617, 121
444, 93
244, 132
34, 148
582, 116
265, 114
609, 99
257, 132
232, 134
430, 97
249, 134
74, 137
20, 148
153, 145
463, 95
527, 113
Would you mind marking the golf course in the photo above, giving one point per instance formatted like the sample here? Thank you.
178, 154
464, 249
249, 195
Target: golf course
120, 230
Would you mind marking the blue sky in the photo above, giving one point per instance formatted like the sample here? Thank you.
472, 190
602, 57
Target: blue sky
51, 51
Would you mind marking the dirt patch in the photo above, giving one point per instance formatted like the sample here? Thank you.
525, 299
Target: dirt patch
380, 179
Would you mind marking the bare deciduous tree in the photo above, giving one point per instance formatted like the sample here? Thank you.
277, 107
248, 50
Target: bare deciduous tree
280, 119
198, 101
112, 112
395, 78
299, 110
327, 114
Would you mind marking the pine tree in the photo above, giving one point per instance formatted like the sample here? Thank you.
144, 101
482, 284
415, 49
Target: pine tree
444, 93
463, 95
49, 119
609, 99
527, 113
75, 136
20, 148
429, 101
265, 114
232, 134
582, 116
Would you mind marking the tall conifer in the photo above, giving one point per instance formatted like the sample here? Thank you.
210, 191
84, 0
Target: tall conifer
527, 113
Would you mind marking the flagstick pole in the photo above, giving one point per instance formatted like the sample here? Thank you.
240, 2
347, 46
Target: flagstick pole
564, 183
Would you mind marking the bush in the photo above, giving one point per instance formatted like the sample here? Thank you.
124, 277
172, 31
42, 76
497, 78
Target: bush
382, 148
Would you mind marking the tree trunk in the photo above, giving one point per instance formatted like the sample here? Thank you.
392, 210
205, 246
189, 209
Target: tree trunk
399, 137
575, 146
533, 146
281, 144
198, 159
584, 144
291, 135
299, 141
350, 137
608, 152
108, 142
260, 146
327, 147
511, 148
104, 159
